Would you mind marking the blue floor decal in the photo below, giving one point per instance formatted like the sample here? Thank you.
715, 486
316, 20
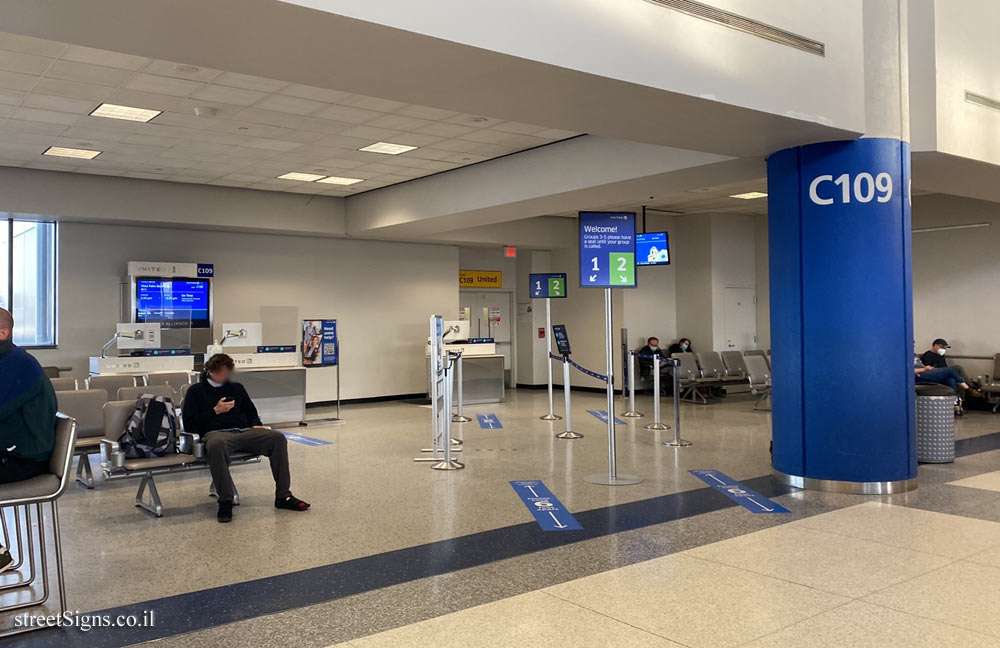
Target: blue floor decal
304, 440
748, 499
602, 416
549, 512
489, 421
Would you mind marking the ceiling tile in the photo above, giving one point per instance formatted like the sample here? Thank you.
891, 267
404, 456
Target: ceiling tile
425, 112
518, 128
150, 140
162, 85
71, 90
345, 142
372, 133
347, 114
30, 45
11, 97
312, 92
340, 163
272, 144
556, 134
247, 82
227, 95
60, 104
476, 121
399, 122
460, 146
371, 103
490, 136
50, 116
82, 54
416, 139
15, 81
181, 71
292, 105
445, 130
40, 128
87, 73
430, 154
24, 63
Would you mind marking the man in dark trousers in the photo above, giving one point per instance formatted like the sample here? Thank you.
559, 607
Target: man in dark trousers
223, 414
27, 415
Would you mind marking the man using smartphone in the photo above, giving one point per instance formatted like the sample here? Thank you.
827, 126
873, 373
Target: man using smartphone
223, 414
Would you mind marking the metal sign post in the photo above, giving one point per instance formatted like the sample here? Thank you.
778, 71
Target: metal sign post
612, 478
569, 433
631, 413
459, 416
677, 441
551, 416
656, 425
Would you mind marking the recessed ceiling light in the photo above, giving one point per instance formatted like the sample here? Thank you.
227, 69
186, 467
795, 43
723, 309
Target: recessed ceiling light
750, 195
80, 154
337, 180
128, 113
301, 177
388, 148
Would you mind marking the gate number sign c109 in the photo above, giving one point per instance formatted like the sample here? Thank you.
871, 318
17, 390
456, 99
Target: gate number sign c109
862, 187
548, 285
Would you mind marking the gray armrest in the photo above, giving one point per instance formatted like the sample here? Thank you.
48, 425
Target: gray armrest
112, 456
191, 443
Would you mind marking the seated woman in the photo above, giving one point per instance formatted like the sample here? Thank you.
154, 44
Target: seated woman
682, 345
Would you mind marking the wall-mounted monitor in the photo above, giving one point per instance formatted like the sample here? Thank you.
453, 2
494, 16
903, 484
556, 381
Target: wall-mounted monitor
652, 248
173, 302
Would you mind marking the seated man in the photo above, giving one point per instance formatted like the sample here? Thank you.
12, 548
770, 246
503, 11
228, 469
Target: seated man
27, 415
934, 358
938, 376
652, 348
223, 414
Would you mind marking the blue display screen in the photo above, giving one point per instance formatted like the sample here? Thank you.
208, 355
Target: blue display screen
652, 249
174, 303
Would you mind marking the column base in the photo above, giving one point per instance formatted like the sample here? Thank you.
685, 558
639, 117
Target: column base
847, 487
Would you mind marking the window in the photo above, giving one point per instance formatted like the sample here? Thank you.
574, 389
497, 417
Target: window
28, 279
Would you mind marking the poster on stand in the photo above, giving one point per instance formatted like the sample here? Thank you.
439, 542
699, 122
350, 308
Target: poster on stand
320, 346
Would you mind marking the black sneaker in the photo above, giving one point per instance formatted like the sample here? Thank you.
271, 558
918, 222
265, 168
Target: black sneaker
291, 503
225, 512
6, 561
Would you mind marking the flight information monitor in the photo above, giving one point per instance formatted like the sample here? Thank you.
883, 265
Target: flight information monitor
652, 248
173, 302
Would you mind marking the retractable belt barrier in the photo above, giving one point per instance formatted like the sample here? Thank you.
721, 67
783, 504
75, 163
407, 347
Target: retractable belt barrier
592, 374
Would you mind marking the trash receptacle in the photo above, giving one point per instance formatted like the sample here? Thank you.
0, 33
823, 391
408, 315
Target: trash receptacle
935, 424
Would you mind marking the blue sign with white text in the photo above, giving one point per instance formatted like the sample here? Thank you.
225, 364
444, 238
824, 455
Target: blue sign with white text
548, 511
206, 269
331, 347
489, 421
607, 249
602, 416
304, 440
748, 499
546, 285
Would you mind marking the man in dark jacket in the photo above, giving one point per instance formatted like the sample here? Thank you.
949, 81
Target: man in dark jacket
934, 358
223, 414
27, 415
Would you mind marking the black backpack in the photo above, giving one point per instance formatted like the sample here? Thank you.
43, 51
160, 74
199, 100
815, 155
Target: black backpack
151, 430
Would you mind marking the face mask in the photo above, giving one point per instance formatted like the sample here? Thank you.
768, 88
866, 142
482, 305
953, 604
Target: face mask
685, 347
213, 383
653, 347
942, 351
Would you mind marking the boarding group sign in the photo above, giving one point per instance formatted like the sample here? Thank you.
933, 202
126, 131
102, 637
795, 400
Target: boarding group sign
607, 249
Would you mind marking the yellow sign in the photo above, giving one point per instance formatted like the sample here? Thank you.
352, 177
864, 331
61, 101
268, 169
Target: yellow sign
480, 279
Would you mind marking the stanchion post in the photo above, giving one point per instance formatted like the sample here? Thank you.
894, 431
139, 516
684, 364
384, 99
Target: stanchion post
677, 441
612, 478
656, 424
569, 433
460, 416
551, 416
631, 413
448, 387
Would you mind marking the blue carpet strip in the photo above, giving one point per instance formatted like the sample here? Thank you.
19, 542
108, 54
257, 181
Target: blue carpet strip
975, 445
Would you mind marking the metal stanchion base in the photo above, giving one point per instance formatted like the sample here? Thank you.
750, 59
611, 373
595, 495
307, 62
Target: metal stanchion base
551, 417
677, 443
456, 442
460, 419
448, 465
657, 426
569, 434
442, 450
632, 414
620, 480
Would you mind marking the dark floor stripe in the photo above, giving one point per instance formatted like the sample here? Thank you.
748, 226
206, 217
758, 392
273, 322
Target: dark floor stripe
977, 444
207, 608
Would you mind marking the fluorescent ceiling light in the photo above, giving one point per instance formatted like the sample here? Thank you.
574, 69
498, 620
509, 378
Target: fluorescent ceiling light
302, 177
128, 113
80, 154
750, 195
337, 180
388, 148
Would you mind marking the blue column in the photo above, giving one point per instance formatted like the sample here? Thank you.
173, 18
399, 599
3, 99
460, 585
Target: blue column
842, 314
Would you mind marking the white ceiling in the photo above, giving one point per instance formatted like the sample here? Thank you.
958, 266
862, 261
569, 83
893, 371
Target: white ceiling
262, 128
715, 199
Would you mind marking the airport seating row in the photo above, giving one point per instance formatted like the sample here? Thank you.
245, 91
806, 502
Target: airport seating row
698, 373
112, 383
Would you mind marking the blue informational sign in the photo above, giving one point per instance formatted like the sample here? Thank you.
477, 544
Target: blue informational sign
748, 499
607, 249
206, 269
320, 346
489, 421
547, 285
304, 440
602, 416
548, 511
562, 339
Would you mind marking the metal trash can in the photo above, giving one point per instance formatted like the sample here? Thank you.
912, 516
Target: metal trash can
935, 424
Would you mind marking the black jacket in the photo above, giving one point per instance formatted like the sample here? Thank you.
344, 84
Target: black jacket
199, 408
931, 359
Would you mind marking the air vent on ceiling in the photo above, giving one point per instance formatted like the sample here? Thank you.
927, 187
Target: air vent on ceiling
744, 24
981, 100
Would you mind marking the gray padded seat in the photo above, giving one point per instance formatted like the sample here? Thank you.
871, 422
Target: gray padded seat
63, 384
735, 366
87, 407
132, 393
45, 488
759, 378
758, 352
712, 367
687, 367
173, 378
110, 384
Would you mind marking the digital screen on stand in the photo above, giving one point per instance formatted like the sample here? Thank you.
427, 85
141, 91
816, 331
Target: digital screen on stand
652, 248
173, 303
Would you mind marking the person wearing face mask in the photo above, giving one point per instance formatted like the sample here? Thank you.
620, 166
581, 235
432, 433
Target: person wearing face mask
935, 359
682, 345
653, 348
